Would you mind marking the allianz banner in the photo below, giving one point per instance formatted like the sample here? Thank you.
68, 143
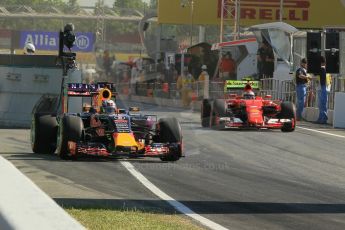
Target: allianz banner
44, 40
299, 13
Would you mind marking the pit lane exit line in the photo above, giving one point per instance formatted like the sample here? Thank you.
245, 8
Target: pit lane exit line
162, 195
322, 132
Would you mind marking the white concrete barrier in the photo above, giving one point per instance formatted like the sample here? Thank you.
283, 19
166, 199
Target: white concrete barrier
22, 86
312, 114
175, 103
24, 206
339, 110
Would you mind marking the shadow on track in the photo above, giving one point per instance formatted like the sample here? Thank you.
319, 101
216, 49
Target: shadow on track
207, 207
54, 157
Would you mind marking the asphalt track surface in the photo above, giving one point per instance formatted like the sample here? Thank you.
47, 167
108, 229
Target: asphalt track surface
240, 179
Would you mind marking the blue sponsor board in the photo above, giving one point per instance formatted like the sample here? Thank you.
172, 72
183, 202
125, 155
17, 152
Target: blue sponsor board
44, 40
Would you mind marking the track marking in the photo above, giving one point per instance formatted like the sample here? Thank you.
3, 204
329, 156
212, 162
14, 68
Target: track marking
162, 195
318, 131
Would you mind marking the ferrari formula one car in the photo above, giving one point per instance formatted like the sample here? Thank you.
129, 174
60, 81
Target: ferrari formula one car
102, 134
248, 111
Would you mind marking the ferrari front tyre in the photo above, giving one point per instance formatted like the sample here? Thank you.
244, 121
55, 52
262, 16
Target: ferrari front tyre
205, 113
219, 106
70, 129
288, 111
218, 111
43, 133
170, 132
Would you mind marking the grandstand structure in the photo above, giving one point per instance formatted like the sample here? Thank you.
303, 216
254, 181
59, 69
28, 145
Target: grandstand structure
85, 13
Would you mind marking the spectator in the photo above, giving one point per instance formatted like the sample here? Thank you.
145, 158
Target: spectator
160, 66
228, 67
107, 63
125, 83
141, 76
322, 94
175, 76
99, 61
204, 83
29, 49
302, 79
170, 74
261, 57
133, 81
185, 85
268, 64
194, 66
210, 59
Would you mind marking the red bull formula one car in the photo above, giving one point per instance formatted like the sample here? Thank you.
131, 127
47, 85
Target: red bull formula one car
100, 133
248, 111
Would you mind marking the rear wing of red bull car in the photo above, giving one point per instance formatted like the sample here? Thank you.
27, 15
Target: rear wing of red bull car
89, 90
98, 92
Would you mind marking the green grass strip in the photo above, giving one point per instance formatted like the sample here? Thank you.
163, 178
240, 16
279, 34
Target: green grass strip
107, 219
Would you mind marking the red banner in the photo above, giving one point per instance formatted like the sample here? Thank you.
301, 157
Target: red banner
5, 39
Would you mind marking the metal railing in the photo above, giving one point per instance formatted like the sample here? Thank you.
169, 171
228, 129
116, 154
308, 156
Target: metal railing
270, 86
279, 90
288, 91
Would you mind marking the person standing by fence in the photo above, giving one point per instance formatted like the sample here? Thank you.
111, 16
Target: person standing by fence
322, 94
185, 85
228, 67
261, 57
265, 57
203, 83
302, 79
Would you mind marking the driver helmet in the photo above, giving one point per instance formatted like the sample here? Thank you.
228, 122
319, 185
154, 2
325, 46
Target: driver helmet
29, 49
108, 107
249, 94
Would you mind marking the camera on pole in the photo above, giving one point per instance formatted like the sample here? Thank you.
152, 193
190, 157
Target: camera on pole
67, 39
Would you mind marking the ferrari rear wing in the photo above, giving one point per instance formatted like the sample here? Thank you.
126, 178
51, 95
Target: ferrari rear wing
239, 85
88, 90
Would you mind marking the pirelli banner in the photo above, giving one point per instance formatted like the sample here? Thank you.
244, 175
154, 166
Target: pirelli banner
299, 13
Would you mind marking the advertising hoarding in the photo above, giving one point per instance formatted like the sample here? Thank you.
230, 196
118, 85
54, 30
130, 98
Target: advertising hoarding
44, 40
299, 13
5, 39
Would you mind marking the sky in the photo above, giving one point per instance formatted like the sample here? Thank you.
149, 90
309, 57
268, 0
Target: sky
92, 2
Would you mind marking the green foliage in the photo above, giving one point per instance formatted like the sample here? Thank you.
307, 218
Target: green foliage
33, 2
153, 4
129, 4
72, 7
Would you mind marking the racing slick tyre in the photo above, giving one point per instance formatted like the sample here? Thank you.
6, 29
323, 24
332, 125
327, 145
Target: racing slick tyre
219, 110
170, 132
43, 133
70, 129
205, 113
288, 111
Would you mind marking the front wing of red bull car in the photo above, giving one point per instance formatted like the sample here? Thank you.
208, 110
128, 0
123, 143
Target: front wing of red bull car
235, 111
120, 135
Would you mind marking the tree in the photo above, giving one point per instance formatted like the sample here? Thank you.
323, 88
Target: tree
153, 4
72, 6
125, 8
129, 4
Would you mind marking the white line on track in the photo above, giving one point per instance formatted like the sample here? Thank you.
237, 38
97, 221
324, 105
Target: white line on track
318, 131
162, 195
